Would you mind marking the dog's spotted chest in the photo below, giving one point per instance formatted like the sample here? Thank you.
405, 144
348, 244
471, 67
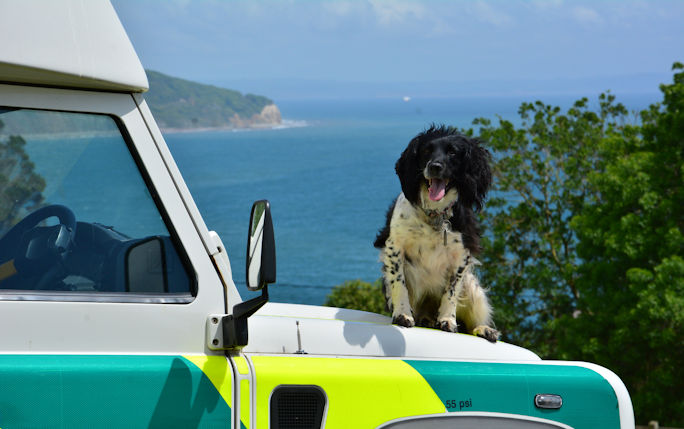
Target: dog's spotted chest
431, 248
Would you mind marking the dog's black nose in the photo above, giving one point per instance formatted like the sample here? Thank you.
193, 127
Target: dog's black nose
435, 168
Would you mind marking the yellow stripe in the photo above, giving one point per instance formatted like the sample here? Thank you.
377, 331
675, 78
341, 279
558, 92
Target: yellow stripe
244, 402
241, 364
361, 393
218, 371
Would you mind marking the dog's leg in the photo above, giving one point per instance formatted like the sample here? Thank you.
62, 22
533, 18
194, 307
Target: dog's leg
446, 316
446, 319
392, 258
474, 309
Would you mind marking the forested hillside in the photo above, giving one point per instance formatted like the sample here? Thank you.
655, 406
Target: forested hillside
182, 104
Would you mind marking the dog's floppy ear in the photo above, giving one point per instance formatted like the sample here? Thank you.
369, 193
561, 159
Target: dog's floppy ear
476, 174
409, 172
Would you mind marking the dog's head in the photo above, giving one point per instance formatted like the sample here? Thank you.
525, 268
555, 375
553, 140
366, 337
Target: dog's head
441, 167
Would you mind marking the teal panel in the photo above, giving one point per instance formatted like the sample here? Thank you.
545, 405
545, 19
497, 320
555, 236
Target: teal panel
70, 391
588, 399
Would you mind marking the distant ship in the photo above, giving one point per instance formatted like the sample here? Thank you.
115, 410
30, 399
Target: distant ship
407, 98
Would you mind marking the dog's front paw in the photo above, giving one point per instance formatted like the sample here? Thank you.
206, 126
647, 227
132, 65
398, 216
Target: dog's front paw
403, 320
489, 334
448, 324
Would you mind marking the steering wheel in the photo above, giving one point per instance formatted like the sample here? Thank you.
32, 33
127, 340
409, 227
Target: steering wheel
39, 252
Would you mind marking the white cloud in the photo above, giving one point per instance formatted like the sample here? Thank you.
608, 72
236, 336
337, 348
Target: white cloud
391, 13
340, 8
484, 12
546, 4
586, 15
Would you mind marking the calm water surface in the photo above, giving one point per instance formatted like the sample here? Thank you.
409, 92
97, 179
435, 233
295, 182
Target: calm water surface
329, 177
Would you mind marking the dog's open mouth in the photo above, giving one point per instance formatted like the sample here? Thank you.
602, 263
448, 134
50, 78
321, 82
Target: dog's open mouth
437, 188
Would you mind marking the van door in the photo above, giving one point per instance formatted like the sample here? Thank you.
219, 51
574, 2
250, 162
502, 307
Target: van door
105, 283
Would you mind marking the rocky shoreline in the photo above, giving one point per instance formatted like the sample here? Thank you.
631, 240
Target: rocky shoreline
269, 117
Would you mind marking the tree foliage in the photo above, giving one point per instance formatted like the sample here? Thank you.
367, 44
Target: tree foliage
541, 168
631, 235
20, 186
359, 295
584, 240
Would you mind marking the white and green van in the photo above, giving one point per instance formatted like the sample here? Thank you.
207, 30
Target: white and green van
118, 307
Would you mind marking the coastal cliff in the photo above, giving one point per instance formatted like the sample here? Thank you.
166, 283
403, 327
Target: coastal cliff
182, 105
268, 117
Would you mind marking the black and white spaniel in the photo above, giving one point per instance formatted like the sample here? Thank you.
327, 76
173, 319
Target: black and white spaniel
431, 236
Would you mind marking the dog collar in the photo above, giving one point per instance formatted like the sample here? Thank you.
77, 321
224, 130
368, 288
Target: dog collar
439, 214
439, 220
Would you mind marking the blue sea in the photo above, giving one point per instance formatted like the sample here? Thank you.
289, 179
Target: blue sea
328, 173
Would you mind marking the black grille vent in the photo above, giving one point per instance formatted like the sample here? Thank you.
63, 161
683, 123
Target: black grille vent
297, 407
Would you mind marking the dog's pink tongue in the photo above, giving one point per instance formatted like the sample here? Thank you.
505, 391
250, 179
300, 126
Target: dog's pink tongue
437, 189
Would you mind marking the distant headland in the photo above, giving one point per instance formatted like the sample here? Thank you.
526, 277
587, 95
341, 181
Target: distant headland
182, 105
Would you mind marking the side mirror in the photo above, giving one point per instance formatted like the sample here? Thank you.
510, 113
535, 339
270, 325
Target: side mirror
261, 270
261, 259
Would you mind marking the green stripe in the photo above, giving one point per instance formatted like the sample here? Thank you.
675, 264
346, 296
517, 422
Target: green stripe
107, 391
588, 399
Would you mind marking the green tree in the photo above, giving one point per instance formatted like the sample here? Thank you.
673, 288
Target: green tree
358, 295
631, 280
20, 186
530, 259
584, 250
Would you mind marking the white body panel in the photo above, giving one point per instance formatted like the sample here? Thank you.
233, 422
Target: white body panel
71, 43
340, 332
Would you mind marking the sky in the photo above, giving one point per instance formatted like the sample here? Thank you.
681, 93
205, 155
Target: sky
379, 48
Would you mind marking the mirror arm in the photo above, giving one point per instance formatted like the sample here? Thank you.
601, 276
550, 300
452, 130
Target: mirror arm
247, 308
235, 332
